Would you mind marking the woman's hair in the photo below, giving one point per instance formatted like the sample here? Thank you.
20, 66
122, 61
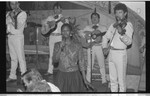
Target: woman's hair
41, 86
66, 25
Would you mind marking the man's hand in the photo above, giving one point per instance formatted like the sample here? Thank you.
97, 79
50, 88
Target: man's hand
105, 51
96, 32
63, 19
120, 30
91, 44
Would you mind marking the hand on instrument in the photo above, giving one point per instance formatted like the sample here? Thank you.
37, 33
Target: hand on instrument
120, 30
96, 31
91, 44
63, 19
105, 51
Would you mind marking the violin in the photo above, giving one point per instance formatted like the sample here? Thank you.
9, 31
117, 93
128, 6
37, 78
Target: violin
122, 24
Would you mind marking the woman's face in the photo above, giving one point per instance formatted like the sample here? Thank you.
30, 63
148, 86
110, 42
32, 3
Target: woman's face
65, 32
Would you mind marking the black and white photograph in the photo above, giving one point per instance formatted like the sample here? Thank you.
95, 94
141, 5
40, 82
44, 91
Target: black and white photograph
75, 46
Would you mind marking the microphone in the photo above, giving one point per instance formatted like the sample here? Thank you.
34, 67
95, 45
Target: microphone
62, 46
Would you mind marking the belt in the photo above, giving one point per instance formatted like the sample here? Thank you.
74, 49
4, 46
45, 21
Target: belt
97, 44
55, 34
112, 48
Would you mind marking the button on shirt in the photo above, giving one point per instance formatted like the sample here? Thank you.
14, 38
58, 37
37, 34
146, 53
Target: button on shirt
119, 42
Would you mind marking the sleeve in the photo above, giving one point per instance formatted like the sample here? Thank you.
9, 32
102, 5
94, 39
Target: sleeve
102, 28
7, 21
22, 17
127, 37
56, 53
81, 59
107, 36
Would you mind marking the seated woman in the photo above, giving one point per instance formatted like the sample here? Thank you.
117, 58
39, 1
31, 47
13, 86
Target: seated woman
34, 82
69, 55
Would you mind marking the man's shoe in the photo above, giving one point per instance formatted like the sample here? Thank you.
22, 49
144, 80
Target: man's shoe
10, 80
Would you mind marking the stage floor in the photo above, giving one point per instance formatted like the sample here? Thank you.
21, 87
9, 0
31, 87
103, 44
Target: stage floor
12, 87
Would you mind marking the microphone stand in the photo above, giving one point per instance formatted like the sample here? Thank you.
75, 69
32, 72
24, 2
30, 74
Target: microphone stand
91, 58
91, 53
37, 31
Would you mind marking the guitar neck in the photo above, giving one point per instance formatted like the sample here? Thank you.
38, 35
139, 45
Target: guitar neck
100, 34
58, 21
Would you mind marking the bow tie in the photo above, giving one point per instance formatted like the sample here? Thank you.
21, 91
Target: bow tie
95, 27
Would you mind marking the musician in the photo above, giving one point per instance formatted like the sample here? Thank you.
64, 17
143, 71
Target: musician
120, 33
55, 36
16, 22
94, 46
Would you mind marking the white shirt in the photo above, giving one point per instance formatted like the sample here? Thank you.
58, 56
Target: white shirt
21, 23
119, 42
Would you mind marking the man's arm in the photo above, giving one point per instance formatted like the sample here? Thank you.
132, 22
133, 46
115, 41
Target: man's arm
22, 17
107, 36
127, 37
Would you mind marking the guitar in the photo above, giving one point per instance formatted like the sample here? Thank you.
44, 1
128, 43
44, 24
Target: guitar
49, 29
92, 36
